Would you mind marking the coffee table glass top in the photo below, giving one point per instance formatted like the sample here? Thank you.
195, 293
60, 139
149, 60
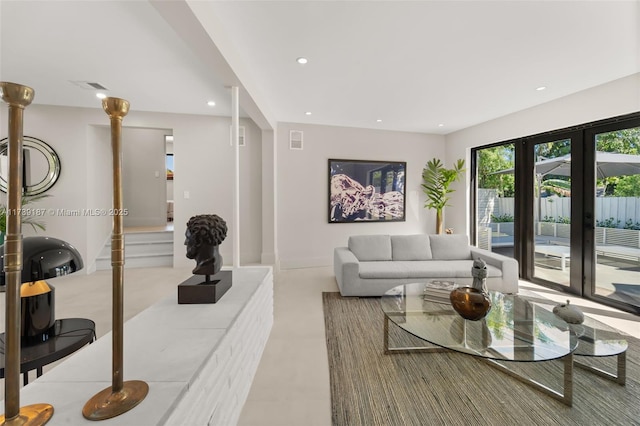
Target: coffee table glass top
514, 330
595, 338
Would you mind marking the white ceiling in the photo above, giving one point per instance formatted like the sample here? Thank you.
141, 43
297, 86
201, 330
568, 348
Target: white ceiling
412, 64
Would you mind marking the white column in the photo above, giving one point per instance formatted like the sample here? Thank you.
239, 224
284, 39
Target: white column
235, 127
269, 196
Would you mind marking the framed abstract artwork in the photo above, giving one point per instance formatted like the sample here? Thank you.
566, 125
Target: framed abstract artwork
366, 191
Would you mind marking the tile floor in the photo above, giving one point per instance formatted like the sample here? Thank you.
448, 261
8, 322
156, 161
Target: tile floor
291, 386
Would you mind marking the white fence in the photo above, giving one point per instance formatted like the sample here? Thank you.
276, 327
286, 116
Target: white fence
621, 209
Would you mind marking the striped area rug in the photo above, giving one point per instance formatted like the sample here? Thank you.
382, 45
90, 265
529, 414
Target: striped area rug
448, 388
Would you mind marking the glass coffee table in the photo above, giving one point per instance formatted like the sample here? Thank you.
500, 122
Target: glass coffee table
517, 329
595, 340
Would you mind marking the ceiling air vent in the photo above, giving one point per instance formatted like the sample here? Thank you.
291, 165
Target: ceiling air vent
295, 139
241, 138
88, 85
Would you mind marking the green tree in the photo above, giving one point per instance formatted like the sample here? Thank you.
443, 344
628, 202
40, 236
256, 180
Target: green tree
492, 160
552, 149
627, 186
625, 141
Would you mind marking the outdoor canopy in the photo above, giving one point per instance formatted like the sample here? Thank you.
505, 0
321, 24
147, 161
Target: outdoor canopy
607, 164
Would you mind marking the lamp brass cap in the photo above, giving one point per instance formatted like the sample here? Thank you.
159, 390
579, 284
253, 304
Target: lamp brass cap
115, 107
16, 94
34, 288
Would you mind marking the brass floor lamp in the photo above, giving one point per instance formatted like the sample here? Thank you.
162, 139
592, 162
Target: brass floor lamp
18, 97
121, 396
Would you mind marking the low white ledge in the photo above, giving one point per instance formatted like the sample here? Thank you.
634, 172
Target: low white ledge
199, 360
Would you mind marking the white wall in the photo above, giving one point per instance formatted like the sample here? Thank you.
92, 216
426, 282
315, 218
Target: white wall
203, 160
305, 238
144, 172
608, 100
203, 168
99, 190
250, 183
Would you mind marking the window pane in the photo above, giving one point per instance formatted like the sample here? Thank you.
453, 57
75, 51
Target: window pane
552, 211
495, 198
617, 198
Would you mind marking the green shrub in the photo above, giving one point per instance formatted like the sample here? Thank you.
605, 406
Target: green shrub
608, 223
560, 219
630, 225
502, 218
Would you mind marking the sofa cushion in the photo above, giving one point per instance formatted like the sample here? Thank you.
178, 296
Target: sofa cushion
383, 270
429, 269
444, 269
370, 247
450, 247
410, 247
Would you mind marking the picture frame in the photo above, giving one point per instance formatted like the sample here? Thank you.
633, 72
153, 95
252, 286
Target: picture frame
366, 191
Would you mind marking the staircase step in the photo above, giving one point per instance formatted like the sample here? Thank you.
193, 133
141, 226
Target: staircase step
142, 249
164, 247
148, 236
137, 262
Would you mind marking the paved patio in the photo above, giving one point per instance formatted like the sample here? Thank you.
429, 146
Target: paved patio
617, 278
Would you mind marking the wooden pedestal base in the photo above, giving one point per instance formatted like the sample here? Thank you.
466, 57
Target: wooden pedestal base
197, 290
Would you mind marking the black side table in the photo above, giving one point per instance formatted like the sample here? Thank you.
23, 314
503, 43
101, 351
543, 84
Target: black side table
69, 335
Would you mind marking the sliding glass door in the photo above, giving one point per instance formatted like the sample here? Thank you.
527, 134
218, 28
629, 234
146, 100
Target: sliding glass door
494, 203
550, 213
566, 205
615, 194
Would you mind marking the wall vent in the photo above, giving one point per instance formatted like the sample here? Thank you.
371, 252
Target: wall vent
241, 136
295, 139
88, 85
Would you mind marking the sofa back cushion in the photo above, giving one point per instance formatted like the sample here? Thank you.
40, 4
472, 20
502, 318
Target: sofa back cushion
450, 247
370, 247
411, 247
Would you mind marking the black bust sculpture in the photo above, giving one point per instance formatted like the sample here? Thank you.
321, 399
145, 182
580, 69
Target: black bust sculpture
204, 234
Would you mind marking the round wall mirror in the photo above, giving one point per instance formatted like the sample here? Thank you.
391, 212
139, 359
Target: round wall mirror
40, 163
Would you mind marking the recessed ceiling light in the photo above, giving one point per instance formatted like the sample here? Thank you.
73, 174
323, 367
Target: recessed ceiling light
302, 60
440, 125
100, 95
307, 113
211, 103
541, 88
379, 120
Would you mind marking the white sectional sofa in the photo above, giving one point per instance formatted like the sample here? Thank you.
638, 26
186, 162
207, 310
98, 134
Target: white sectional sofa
373, 264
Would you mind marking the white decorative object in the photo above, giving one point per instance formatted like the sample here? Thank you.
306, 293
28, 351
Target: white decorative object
479, 274
570, 314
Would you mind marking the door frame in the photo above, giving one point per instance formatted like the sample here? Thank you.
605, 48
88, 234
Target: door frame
525, 220
589, 188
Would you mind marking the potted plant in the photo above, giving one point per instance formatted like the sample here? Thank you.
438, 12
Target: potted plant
26, 219
436, 181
